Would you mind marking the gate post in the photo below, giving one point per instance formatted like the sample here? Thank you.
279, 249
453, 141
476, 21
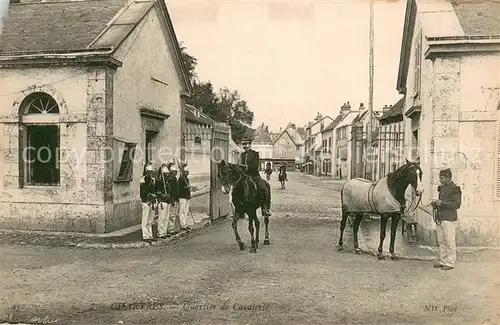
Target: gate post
219, 149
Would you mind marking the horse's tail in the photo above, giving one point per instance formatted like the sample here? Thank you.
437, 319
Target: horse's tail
342, 205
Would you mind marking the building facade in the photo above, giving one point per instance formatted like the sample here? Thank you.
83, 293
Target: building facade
452, 108
81, 104
313, 143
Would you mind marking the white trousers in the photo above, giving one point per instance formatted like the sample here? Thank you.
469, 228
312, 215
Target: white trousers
164, 213
183, 212
148, 215
447, 245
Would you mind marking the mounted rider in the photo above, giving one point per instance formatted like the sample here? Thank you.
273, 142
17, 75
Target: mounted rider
251, 161
283, 171
269, 170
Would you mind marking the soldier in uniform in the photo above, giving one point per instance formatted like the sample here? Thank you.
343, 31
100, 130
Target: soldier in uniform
251, 161
450, 200
149, 202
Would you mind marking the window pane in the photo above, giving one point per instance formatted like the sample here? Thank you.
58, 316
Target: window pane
42, 155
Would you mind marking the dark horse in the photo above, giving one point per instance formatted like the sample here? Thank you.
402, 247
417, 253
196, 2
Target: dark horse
268, 171
386, 197
282, 177
245, 199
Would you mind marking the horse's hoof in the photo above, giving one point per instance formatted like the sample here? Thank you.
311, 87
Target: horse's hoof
253, 250
242, 246
394, 258
357, 251
266, 242
381, 257
340, 248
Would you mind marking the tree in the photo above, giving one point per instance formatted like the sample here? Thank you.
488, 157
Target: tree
225, 106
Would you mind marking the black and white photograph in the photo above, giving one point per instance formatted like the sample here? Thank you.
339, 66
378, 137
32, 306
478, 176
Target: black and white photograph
249, 162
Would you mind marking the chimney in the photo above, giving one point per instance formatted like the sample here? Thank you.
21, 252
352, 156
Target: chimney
361, 107
267, 129
292, 126
346, 108
386, 108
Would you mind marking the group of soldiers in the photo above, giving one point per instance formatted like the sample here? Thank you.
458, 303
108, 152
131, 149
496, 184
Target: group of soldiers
165, 199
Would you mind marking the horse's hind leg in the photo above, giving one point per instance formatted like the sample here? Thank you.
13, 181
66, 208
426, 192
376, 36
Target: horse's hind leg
383, 227
236, 217
257, 229
251, 218
355, 227
343, 223
266, 223
394, 225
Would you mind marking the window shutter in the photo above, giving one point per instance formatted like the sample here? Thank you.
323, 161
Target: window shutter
497, 162
418, 62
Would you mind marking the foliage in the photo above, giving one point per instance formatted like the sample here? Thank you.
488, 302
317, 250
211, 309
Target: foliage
224, 106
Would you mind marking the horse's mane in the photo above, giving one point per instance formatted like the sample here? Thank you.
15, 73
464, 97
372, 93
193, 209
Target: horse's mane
396, 188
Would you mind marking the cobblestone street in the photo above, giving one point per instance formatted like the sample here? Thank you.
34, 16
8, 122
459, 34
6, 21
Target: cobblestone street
299, 279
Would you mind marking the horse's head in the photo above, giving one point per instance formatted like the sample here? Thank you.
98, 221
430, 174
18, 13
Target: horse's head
413, 174
228, 175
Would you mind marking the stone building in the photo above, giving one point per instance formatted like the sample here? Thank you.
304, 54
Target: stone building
287, 147
263, 144
448, 72
198, 143
89, 91
313, 142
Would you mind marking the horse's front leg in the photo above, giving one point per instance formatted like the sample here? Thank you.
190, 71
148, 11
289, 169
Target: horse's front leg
266, 223
251, 229
236, 217
383, 227
355, 227
394, 225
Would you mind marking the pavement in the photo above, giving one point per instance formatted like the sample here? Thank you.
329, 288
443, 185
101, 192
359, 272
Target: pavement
299, 279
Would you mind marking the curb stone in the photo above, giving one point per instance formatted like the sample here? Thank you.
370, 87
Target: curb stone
161, 242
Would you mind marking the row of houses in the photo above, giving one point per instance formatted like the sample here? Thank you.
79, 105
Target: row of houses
84, 103
449, 116
284, 147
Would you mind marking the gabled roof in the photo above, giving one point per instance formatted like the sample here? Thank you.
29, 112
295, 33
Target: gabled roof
334, 124
393, 114
194, 115
318, 121
449, 26
347, 120
68, 31
283, 133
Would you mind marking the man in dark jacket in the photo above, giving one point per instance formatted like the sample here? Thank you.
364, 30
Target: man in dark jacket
450, 200
251, 160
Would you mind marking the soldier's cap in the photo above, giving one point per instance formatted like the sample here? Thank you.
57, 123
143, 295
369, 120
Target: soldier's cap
173, 168
150, 168
445, 172
164, 169
186, 168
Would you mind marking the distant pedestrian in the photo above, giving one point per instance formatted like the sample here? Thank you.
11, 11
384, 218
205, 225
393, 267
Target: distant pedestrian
149, 201
184, 197
445, 208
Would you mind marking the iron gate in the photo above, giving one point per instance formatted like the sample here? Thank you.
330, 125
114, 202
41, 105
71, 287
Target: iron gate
219, 202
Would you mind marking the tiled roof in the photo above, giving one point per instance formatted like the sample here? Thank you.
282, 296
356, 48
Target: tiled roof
393, 113
478, 17
302, 132
334, 123
262, 138
56, 26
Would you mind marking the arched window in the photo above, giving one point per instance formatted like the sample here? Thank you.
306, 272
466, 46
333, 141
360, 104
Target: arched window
39, 140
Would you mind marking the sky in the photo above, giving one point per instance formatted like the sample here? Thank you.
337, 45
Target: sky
292, 59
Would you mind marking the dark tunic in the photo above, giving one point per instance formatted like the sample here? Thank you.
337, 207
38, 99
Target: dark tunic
451, 198
147, 189
184, 188
174, 187
163, 190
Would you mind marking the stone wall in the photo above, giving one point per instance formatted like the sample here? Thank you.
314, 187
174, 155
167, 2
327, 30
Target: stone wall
459, 99
77, 204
